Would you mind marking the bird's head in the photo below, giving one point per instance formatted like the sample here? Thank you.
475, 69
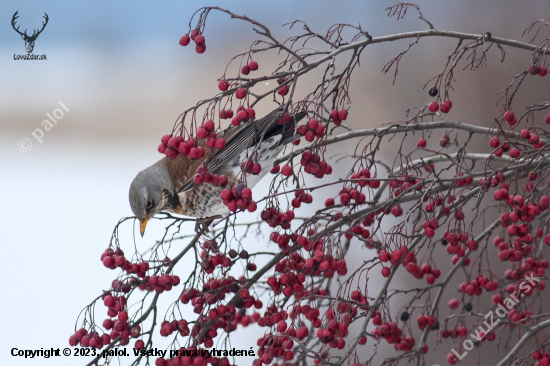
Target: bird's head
149, 193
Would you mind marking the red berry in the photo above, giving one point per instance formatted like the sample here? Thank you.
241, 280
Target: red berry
286, 170
494, 142
251, 112
543, 71
421, 143
246, 193
453, 303
342, 114
123, 316
194, 33
433, 107
256, 169
444, 107
509, 116
201, 133
547, 118
200, 48
253, 65
240, 93
209, 125
220, 143
514, 153
329, 202
199, 39
534, 69
283, 90
275, 169
223, 85
245, 69
184, 40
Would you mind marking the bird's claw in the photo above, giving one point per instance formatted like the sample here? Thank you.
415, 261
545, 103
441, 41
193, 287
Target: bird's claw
203, 224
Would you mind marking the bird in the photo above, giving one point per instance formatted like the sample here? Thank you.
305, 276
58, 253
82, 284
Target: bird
168, 186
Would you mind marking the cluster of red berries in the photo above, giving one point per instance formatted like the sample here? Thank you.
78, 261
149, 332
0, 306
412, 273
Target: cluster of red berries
159, 284
347, 194
251, 66
532, 138
475, 287
226, 113
444, 107
238, 198
284, 119
206, 131
528, 266
245, 320
274, 217
198, 299
249, 166
243, 115
454, 333
362, 176
282, 240
275, 317
119, 326
181, 326
403, 183
357, 230
275, 347
510, 118
542, 358
410, 263
211, 261
175, 146
540, 70
335, 331
425, 320
314, 165
312, 130
393, 334
289, 282
202, 175
325, 264
196, 36
312, 314
395, 258
519, 232
92, 339
338, 116
301, 197
113, 259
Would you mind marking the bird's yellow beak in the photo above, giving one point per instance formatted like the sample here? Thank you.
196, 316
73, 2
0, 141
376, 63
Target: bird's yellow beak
142, 225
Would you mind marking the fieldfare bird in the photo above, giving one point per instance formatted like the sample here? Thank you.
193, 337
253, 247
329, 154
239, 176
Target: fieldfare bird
168, 184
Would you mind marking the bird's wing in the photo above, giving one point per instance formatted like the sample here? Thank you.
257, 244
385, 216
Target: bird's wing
238, 139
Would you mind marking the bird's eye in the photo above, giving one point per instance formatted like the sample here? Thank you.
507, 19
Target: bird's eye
149, 204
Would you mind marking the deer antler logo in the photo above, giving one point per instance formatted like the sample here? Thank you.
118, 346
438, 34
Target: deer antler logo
29, 40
